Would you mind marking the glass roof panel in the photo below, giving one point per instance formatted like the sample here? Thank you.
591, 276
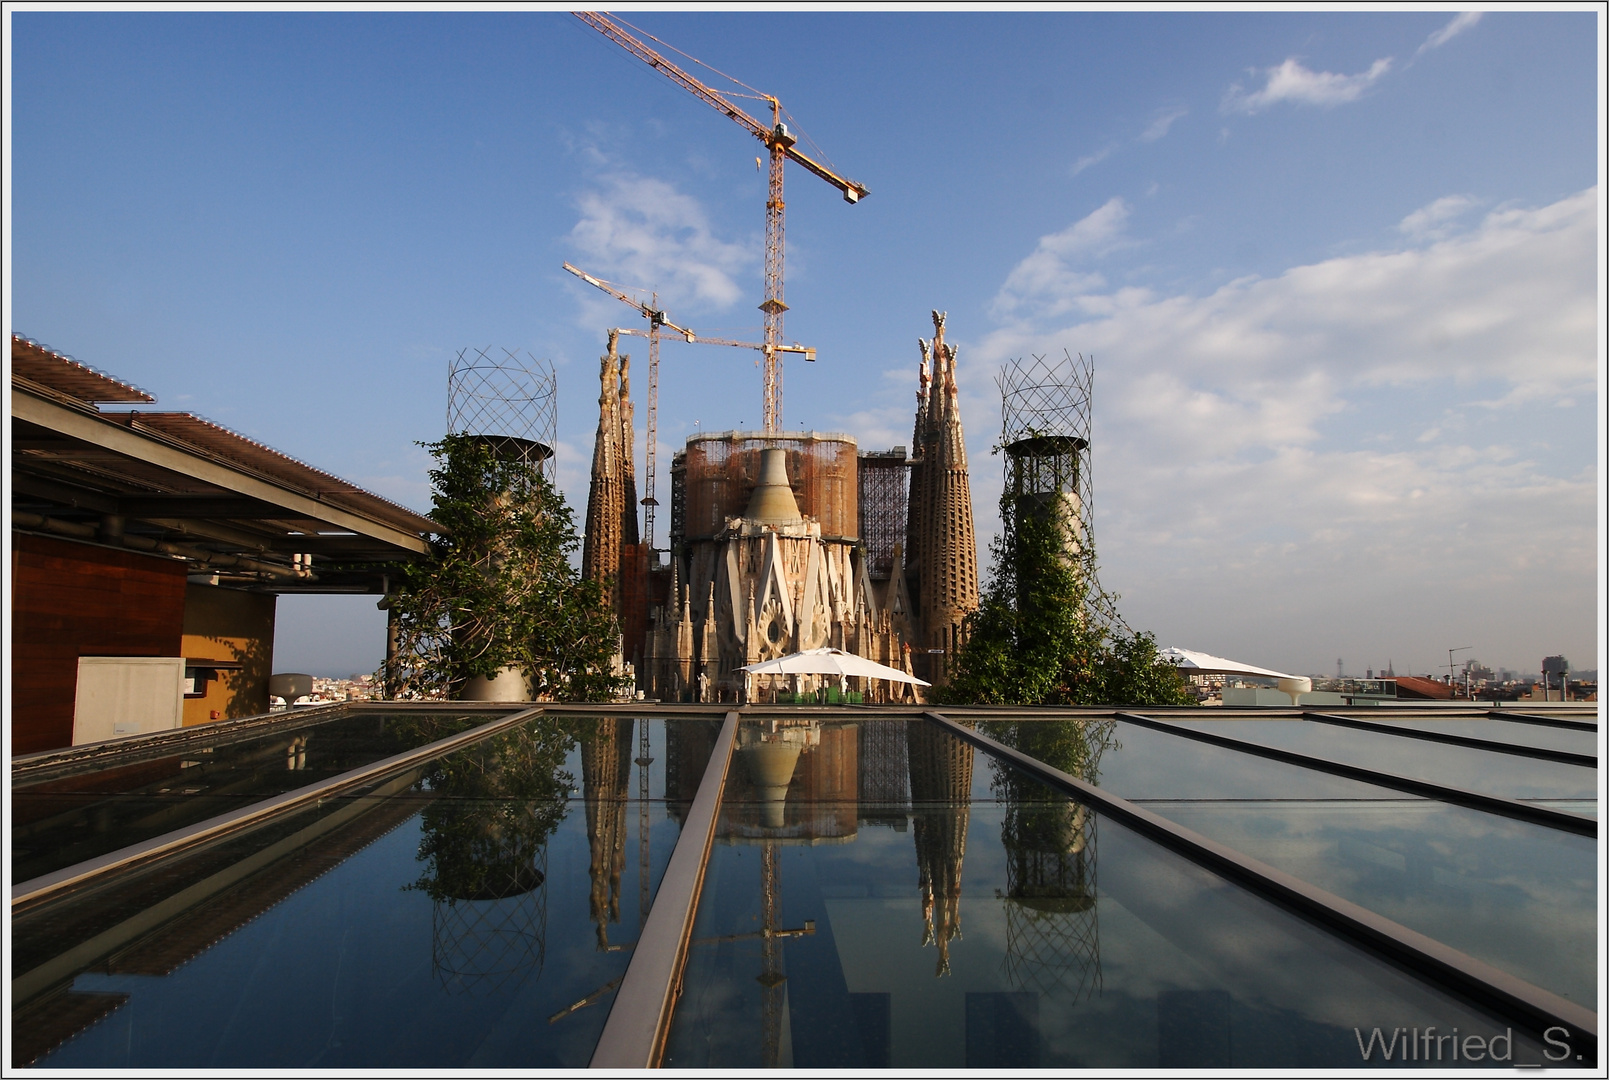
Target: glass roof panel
478, 916
1519, 896
1472, 769
1510, 731
1004, 927
1142, 763
69, 815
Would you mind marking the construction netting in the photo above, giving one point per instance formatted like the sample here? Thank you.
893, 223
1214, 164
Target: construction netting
883, 483
721, 470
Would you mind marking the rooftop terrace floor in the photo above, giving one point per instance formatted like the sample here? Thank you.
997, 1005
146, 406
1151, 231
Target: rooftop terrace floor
463, 886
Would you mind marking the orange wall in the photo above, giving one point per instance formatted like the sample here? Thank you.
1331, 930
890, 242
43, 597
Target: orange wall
238, 628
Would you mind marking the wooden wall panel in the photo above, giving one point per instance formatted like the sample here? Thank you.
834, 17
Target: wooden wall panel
69, 600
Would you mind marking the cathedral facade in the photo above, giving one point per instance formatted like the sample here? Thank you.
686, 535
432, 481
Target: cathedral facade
782, 543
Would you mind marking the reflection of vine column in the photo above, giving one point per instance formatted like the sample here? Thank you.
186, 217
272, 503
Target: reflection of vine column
605, 775
484, 843
941, 778
1052, 928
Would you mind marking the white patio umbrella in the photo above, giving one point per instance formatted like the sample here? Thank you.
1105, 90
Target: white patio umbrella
831, 662
1200, 663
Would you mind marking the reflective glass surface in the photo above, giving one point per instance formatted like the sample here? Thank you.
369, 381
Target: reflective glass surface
881, 896
1511, 731
1484, 771
63, 816
1521, 897
477, 912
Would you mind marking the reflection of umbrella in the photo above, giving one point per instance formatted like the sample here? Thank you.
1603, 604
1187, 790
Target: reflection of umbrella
830, 662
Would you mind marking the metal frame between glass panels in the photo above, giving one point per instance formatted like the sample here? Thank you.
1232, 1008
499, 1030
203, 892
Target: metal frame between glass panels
1497, 804
1541, 753
1479, 982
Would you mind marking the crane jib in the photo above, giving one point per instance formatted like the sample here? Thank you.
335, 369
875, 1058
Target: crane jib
781, 145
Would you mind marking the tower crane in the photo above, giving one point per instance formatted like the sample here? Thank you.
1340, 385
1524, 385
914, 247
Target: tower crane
657, 318
781, 145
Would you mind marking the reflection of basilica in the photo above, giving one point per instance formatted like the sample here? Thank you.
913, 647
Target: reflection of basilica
792, 782
807, 782
941, 797
605, 787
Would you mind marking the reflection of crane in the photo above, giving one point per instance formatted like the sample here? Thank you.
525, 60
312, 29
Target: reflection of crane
644, 852
781, 144
770, 977
656, 318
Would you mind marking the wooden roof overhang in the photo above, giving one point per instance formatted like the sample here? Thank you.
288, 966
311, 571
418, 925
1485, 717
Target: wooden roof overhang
193, 486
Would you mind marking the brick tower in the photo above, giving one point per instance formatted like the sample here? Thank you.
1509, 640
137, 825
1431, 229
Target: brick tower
612, 483
941, 543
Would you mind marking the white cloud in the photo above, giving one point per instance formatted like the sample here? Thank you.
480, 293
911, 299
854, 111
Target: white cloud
1155, 130
644, 233
1461, 22
1092, 159
1047, 282
1436, 221
1292, 82
1159, 127
1374, 437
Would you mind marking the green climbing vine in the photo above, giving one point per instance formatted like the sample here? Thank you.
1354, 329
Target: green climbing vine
498, 588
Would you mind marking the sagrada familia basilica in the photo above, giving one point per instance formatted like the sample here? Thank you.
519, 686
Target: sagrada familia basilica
786, 542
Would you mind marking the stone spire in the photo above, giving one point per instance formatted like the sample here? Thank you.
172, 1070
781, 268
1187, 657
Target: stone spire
943, 540
709, 643
916, 504
606, 498
684, 640
628, 465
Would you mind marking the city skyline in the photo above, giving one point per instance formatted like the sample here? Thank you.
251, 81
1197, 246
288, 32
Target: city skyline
1338, 271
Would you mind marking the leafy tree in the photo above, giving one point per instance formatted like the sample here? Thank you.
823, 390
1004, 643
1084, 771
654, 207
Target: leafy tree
498, 588
1046, 634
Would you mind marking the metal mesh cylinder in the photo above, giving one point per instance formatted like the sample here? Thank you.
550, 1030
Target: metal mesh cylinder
509, 400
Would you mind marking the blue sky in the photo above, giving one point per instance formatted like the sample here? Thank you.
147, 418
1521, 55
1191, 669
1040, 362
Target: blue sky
1338, 270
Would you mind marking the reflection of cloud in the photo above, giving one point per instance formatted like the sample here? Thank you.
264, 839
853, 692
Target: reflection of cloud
1168, 924
1464, 20
1538, 922
1291, 81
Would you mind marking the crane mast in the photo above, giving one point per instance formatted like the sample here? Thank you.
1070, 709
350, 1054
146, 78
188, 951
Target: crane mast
781, 146
657, 318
